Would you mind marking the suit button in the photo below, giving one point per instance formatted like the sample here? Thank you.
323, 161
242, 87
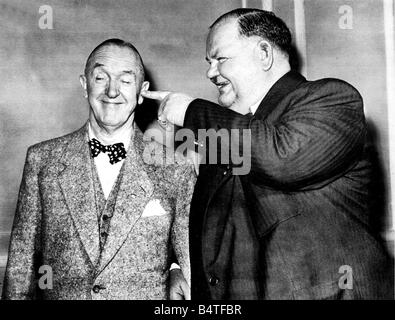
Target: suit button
105, 217
213, 280
96, 288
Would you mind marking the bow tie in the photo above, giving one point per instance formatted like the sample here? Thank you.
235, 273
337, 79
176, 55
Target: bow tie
116, 152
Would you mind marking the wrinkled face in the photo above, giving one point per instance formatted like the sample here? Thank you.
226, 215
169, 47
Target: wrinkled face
112, 86
235, 66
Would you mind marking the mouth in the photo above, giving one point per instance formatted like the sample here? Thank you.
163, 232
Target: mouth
221, 85
111, 102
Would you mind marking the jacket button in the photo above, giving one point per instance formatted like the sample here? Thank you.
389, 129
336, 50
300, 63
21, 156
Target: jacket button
104, 234
213, 280
96, 288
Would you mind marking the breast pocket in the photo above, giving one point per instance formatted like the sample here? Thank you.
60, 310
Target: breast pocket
157, 218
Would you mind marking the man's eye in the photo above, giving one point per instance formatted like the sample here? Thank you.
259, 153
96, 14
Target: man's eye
126, 82
222, 59
98, 78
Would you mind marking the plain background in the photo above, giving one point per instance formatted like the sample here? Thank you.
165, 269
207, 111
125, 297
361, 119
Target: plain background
41, 98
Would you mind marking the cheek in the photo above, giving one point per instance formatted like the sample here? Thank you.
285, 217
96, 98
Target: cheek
222, 69
228, 71
95, 90
130, 95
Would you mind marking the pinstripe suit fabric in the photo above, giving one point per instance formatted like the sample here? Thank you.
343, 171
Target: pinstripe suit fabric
283, 230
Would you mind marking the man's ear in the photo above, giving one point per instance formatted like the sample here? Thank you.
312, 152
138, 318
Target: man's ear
144, 87
84, 85
265, 50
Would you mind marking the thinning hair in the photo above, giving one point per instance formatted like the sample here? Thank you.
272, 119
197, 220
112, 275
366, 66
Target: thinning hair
121, 44
261, 23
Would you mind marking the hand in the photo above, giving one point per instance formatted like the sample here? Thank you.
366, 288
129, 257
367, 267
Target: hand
172, 107
179, 289
195, 158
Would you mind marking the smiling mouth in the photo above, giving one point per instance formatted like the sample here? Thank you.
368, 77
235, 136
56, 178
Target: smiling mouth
111, 102
221, 85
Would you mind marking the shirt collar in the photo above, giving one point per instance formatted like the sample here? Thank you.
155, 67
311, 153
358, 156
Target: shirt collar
254, 107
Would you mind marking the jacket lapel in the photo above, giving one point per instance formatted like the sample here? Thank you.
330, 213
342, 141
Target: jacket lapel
77, 186
134, 193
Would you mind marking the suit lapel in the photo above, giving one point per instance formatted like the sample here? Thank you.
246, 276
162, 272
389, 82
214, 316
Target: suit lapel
134, 193
77, 186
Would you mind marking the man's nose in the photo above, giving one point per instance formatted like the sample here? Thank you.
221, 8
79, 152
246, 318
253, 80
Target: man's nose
112, 89
212, 71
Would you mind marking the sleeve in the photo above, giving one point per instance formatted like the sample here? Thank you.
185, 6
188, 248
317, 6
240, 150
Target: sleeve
318, 135
186, 178
19, 280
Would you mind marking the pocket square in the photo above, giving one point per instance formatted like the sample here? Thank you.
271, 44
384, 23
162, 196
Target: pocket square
153, 208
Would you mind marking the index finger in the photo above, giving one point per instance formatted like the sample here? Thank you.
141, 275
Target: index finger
156, 95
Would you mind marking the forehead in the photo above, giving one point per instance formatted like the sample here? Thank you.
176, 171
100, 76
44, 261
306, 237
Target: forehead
222, 36
115, 59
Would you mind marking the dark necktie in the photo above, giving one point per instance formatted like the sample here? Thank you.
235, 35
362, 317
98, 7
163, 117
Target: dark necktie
116, 152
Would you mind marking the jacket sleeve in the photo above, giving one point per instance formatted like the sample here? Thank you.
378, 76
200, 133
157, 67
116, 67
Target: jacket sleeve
19, 280
185, 178
318, 135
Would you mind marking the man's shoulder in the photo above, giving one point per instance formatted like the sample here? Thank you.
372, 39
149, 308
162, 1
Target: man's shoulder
50, 146
328, 86
325, 92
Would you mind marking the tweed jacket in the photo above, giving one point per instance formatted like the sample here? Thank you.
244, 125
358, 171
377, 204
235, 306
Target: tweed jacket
56, 224
290, 227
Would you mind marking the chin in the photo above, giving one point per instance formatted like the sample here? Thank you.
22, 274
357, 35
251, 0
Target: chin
224, 104
111, 122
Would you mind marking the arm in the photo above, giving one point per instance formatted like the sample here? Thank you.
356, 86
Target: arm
180, 278
19, 280
318, 135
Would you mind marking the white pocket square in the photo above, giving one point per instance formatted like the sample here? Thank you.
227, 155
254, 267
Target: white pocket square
153, 208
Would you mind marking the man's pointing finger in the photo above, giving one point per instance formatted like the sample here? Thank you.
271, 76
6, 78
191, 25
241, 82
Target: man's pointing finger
156, 95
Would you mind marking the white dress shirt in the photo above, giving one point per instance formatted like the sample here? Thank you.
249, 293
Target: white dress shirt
255, 106
108, 172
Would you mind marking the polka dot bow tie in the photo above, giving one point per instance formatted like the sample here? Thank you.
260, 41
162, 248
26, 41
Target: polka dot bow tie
116, 152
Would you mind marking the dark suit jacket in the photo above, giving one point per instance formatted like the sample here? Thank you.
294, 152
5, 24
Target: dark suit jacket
285, 230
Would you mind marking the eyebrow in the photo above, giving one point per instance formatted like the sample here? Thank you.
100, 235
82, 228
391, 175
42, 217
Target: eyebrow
98, 65
129, 72
213, 56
